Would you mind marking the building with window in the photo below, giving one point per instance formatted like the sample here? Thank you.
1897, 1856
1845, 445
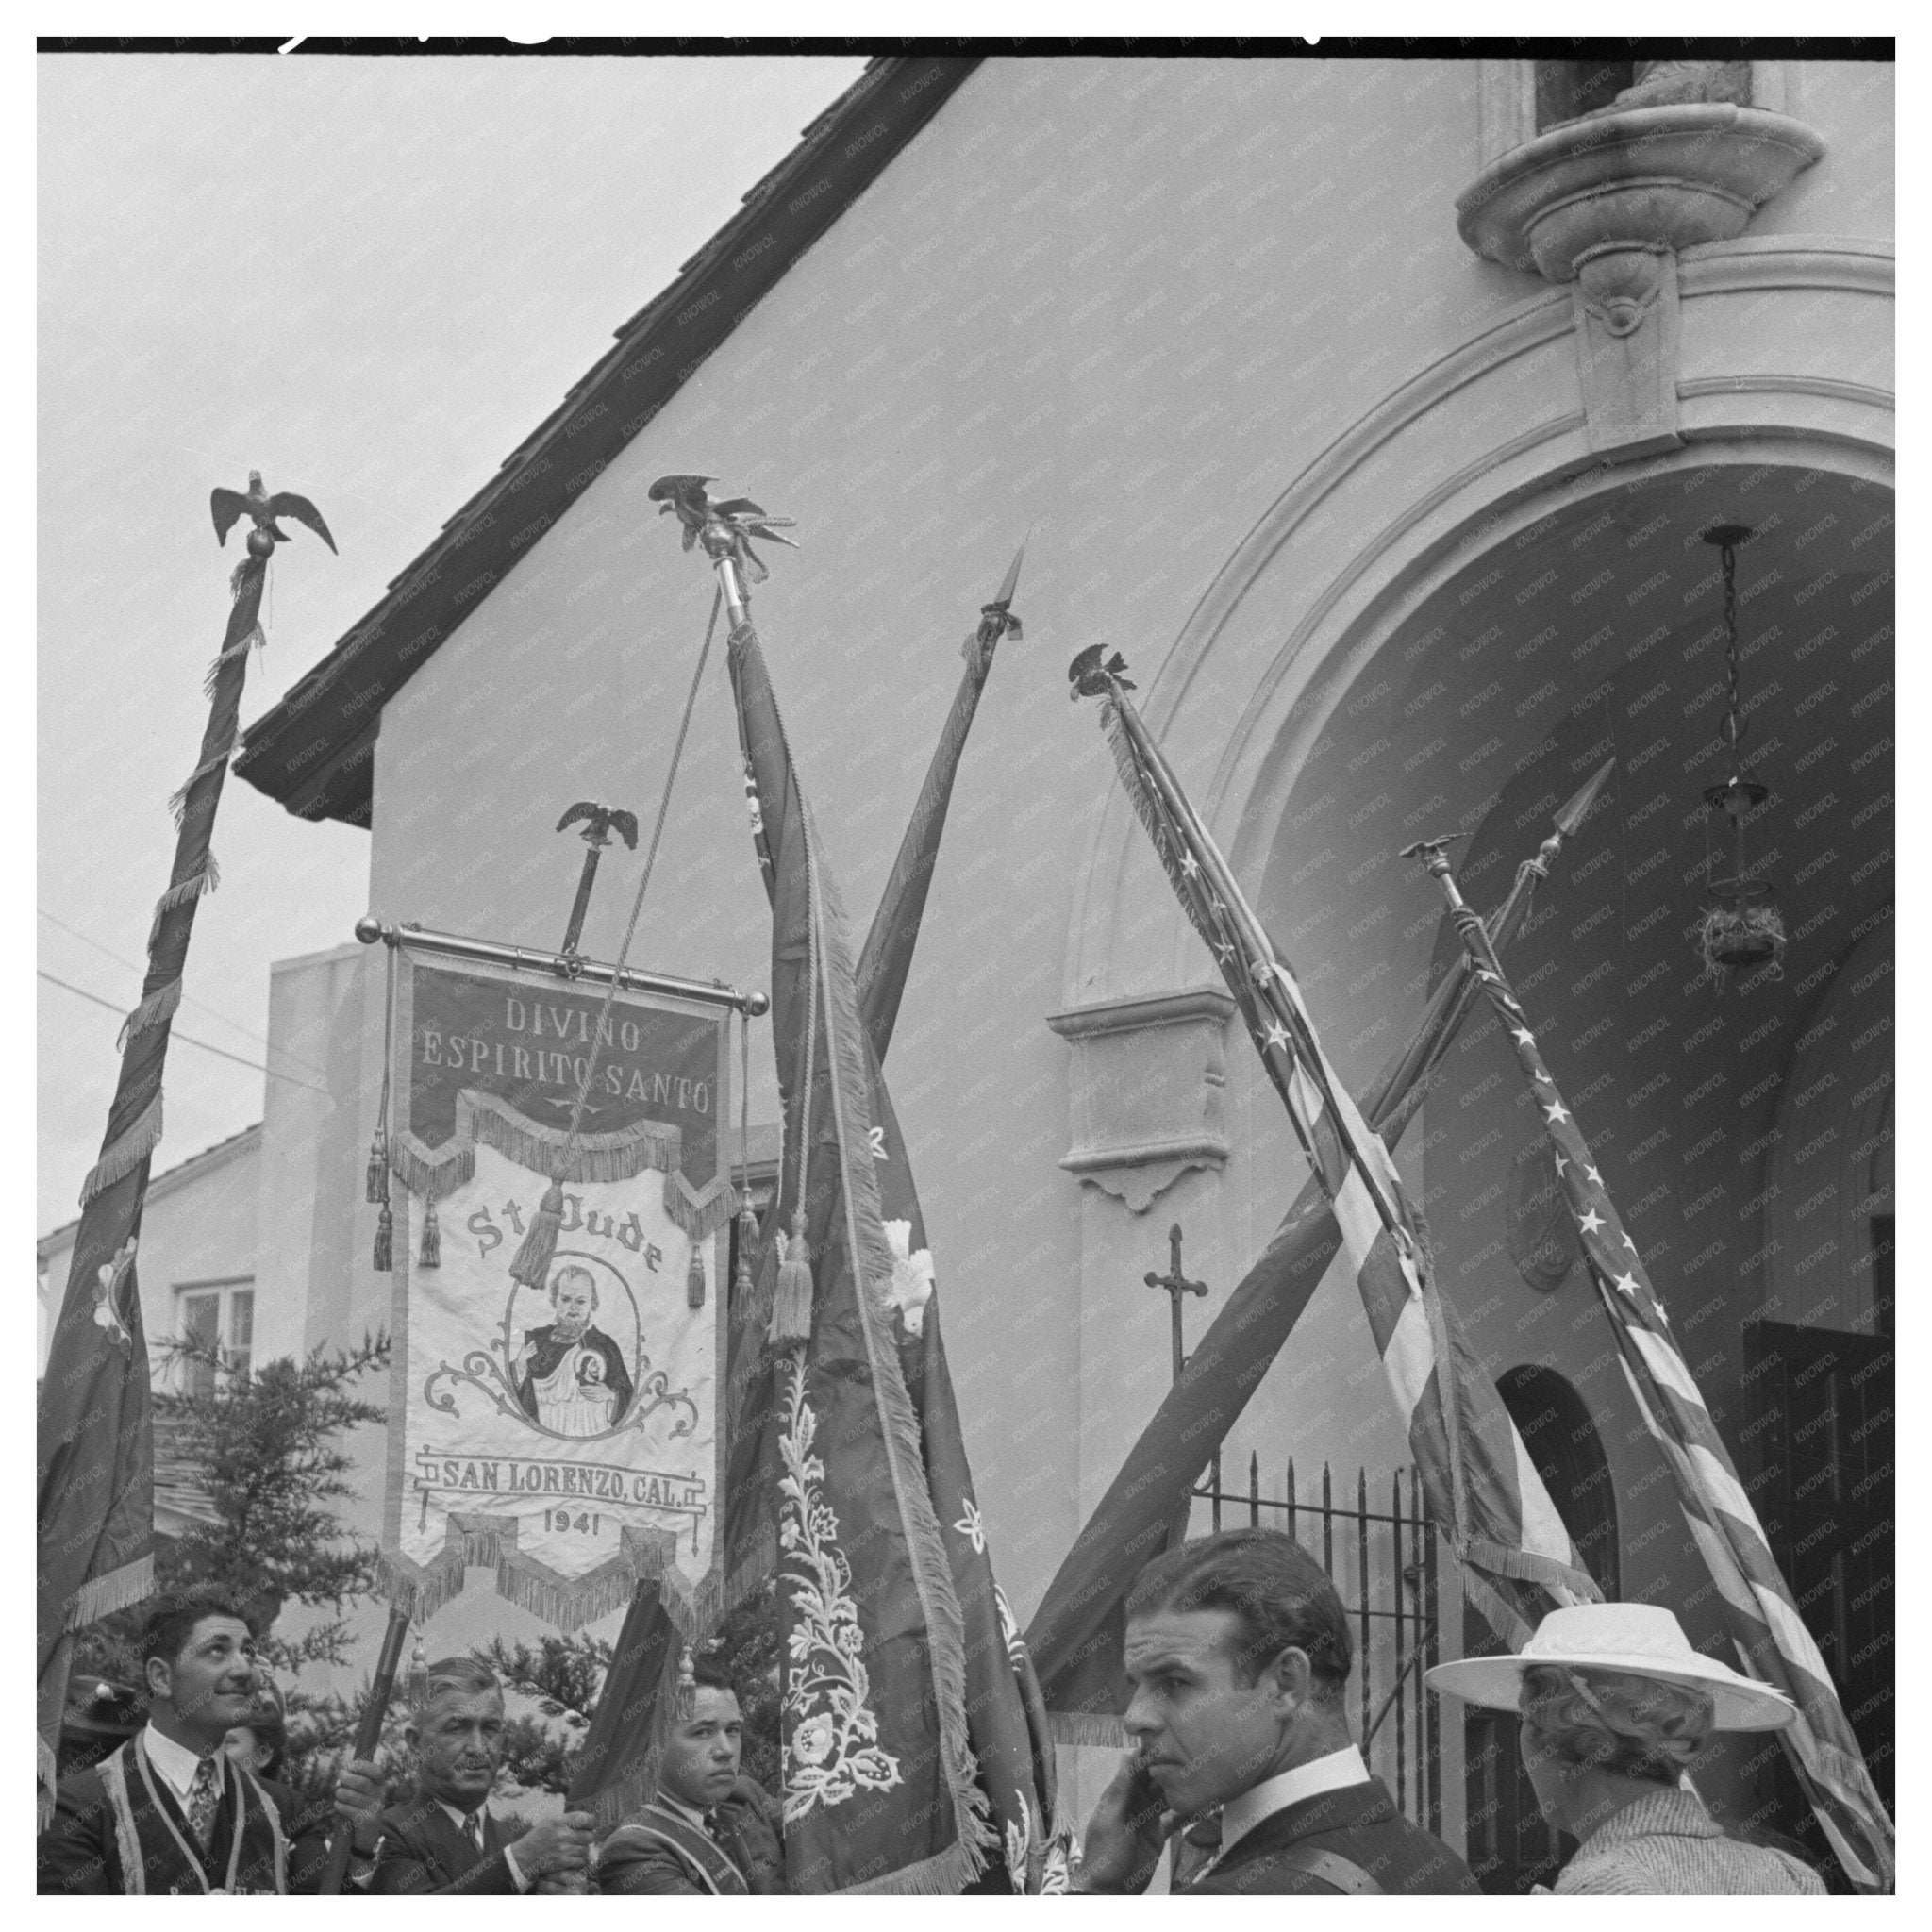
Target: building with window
1377, 411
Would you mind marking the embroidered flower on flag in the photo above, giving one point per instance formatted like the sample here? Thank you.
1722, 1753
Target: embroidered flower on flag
912, 1276
832, 1752
972, 1527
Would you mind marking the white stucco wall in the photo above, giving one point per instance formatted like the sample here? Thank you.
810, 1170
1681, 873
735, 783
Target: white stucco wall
1126, 301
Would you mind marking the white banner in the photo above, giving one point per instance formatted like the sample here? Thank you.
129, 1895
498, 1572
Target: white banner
569, 1434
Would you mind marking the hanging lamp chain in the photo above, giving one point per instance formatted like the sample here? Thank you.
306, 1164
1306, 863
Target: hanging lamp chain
1733, 721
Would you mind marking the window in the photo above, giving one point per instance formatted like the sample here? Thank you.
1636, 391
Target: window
212, 1315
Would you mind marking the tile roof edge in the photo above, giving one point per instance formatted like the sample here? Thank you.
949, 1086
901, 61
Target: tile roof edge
300, 779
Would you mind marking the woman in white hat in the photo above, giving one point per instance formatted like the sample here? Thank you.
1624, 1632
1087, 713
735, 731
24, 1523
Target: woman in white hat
1615, 1704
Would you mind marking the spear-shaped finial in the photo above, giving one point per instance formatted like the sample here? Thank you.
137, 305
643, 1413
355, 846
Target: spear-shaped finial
998, 619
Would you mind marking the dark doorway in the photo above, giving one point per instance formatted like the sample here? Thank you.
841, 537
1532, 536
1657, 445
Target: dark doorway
1822, 1483
1510, 1846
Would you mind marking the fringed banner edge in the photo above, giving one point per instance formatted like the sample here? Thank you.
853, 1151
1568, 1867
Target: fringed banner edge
433, 1173
161, 1005
114, 1589
126, 1151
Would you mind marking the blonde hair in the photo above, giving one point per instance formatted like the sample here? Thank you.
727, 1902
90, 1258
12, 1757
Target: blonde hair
1638, 1727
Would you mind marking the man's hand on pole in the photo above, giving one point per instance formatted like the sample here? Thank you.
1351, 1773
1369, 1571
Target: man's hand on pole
557, 1846
360, 1798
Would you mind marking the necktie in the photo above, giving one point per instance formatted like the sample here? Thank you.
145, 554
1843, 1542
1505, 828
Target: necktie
204, 1795
472, 1829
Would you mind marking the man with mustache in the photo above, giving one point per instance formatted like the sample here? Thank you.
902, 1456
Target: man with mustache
1238, 1651
443, 1839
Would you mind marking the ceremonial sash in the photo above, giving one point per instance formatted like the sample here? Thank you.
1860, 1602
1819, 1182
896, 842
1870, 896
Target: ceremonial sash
127, 1831
700, 1854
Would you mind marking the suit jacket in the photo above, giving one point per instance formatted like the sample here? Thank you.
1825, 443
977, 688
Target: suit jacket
657, 1853
308, 1834
1358, 1823
86, 1849
421, 1851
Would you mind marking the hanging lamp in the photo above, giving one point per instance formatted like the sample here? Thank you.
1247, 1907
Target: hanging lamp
1742, 930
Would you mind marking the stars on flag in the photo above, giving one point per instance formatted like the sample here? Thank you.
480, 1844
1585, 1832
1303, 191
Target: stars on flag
1627, 1283
1189, 864
1523, 1037
1277, 1034
1592, 1221
1556, 1111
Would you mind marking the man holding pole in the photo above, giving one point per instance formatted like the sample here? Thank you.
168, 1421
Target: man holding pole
444, 1839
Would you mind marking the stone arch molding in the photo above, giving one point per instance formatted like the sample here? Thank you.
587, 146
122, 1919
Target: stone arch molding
1469, 453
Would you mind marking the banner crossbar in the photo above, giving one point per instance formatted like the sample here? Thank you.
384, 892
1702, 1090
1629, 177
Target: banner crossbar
566, 966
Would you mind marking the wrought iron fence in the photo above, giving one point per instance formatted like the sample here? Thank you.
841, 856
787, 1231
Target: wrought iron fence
1384, 1563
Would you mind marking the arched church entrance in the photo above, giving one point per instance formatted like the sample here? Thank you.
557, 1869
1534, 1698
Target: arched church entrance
1489, 694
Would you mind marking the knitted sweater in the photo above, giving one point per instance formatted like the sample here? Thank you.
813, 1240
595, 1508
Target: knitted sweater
1668, 1843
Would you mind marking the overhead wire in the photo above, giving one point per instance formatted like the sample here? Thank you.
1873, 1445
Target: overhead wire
187, 1000
185, 1039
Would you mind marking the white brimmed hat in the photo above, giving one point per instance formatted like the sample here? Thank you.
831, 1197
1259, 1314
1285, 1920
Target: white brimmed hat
1641, 1641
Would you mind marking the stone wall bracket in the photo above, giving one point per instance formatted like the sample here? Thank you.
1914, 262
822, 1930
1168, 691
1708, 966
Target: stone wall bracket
1607, 203
1625, 303
1146, 1091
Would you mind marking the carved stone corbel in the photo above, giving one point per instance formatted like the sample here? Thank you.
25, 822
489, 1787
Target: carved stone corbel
1626, 348
1606, 203
1146, 1090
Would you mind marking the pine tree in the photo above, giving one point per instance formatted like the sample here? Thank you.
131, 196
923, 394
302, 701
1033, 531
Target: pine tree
267, 1453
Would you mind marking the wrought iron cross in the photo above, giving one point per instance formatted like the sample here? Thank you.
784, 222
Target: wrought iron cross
1176, 1284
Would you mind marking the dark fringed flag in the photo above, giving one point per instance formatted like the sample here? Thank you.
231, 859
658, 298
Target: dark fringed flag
880, 1791
1763, 1621
1516, 1557
96, 1456
1006, 1713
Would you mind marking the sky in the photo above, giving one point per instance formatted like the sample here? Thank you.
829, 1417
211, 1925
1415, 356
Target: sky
369, 278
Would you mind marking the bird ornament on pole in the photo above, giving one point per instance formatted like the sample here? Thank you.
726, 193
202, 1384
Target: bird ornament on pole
95, 1458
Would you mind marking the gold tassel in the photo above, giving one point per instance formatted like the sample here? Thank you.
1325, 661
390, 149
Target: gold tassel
417, 1684
532, 1263
792, 1302
376, 1181
695, 1278
685, 1707
385, 1240
431, 1256
747, 1241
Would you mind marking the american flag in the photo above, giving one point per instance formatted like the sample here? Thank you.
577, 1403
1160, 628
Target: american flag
1516, 1556
1764, 1624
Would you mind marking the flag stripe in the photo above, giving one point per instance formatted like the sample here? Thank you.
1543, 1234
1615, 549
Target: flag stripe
1481, 1485
1764, 1621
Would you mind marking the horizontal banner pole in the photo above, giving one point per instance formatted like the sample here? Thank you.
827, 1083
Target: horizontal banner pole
566, 966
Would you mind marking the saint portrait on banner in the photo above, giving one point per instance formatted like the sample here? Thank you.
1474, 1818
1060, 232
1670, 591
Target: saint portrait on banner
570, 1376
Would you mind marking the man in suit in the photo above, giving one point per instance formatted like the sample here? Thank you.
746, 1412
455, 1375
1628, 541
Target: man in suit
1238, 1651
167, 1811
443, 1839
707, 1832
